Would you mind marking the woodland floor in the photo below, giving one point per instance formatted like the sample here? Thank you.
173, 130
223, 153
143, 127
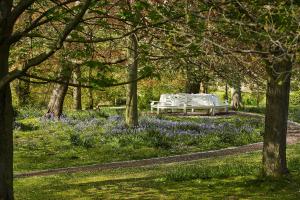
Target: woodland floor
205, 175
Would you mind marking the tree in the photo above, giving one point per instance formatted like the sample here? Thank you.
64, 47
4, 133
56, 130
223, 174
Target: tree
77, 90
10, 12
132, 101
268, 31
55, 106
236, 95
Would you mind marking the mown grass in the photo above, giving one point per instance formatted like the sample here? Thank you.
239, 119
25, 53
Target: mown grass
44, 144
230, 177
294, 111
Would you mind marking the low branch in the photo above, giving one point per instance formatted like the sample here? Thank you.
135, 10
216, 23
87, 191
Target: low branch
49, 80
45, 55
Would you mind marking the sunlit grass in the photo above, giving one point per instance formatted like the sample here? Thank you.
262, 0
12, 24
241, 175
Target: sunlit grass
154, 182
53, 144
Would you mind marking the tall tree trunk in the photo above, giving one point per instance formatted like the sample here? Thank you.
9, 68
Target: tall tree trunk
77, 90
6, 130
236, 96
6, 110
204, 87
90, 93
23, 91
56, 103
278, 88
131, 100
226, 91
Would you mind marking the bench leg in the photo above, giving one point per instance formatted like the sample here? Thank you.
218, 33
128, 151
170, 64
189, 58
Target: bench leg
213, 112
151, 110
157, 111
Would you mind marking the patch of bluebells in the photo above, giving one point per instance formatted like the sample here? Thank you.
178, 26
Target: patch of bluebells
77, 124
116, 125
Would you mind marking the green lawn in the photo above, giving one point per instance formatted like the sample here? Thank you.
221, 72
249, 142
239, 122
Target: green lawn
89, 137
81, 139
231, 177
294, 111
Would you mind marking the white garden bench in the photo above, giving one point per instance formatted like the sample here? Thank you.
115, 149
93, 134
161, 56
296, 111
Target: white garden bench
169, 101
186, 102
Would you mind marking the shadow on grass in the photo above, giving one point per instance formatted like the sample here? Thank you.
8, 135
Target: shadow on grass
154, 187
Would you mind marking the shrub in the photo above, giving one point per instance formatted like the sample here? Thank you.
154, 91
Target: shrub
158, 140
84, 140
88, 141
24, 127
75, 139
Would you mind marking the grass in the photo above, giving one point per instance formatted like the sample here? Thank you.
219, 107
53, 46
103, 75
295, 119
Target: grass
294, 111
230, 177
43, 145
81, 140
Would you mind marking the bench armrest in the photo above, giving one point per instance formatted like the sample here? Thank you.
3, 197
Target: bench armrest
153, 102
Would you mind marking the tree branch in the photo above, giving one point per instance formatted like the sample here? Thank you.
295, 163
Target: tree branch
45, 55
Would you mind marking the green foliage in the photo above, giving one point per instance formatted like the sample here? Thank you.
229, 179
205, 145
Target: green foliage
295, 98
81, 135
145, 97
75, 139
159, 140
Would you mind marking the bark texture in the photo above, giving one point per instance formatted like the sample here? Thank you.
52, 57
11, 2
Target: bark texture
226, 92
6, 110
90, 93
23, 91
204, 87
77, 90
56, 103
131, 98
278, 88
236, 96
6, 131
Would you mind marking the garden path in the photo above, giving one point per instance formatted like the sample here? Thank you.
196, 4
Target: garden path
292, 138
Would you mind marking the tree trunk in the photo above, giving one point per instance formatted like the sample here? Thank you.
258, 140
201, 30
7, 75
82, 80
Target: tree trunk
77, 90
226, 91
23, 91
204, 87
192, 85
90, 93
131, 100
236, 96
6, 110
6, 131
55, 106
278, 88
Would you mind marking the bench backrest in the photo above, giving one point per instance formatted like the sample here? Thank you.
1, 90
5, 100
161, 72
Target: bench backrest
166, 99
190, 100
215, 99
199, 100
179, 99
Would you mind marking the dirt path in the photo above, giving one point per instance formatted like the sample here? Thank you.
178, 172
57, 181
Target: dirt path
292, 138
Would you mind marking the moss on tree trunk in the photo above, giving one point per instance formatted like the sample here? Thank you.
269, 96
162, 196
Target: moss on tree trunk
278, 88
131, 100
